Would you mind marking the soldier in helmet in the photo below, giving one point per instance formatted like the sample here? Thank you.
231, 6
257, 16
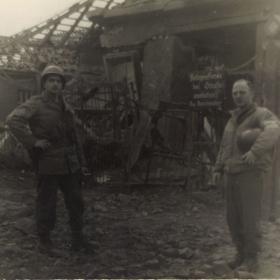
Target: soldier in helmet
245, 154
45, 126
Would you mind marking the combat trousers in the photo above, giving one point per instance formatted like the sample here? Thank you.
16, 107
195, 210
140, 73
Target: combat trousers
47, 187
244, 199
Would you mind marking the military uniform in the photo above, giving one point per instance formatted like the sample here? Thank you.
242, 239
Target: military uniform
43, 117
244, 182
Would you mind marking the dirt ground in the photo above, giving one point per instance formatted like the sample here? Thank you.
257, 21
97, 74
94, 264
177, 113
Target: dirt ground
139, 232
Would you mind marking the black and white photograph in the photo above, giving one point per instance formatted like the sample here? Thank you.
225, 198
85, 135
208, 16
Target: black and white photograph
140, 139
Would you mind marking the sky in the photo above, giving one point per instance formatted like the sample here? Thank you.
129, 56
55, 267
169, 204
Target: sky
17, 15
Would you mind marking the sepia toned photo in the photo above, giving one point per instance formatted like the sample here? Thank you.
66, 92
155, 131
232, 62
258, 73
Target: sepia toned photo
139, 139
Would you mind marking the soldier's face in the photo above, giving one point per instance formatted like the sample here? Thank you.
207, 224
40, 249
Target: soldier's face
53, 84
242, 95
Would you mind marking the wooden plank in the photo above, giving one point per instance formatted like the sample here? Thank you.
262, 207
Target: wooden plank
156, 6
178, 5
68, 34
202, 11
136, 9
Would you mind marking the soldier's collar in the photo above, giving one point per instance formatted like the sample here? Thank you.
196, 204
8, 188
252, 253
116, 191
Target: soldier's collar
50, 97
240, 114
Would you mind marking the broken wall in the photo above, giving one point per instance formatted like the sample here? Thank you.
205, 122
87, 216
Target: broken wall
166, 67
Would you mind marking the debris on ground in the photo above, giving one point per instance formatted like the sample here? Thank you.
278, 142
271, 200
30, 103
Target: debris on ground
138, 232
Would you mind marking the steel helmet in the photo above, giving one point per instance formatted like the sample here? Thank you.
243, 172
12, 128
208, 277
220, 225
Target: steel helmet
247, 138
52, 70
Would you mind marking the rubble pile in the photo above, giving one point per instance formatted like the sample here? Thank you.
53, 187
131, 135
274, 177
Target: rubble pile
138, 232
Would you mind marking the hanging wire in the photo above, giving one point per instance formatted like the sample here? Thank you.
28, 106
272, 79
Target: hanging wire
241, 66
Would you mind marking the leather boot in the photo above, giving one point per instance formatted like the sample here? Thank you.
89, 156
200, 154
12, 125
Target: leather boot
250, 264
237, 261
80, 244
45, 246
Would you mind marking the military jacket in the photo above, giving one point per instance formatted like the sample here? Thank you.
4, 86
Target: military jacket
43, 117
229, 158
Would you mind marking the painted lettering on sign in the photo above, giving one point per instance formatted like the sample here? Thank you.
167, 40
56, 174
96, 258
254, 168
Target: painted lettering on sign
207, 88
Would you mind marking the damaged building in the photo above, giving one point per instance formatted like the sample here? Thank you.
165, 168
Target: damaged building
189, 53
155, 76
149, 83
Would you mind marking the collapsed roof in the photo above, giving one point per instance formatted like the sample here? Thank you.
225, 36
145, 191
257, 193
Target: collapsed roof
56, 38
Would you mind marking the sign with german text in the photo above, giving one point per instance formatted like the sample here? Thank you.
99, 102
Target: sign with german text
207, 89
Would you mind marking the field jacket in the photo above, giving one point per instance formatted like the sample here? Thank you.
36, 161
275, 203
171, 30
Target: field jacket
229, 158
42, 117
